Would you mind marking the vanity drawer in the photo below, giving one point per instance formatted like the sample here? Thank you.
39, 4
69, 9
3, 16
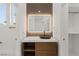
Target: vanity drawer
46, 46
46, 53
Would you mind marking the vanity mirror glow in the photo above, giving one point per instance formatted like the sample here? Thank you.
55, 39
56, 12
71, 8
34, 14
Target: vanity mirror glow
39, 23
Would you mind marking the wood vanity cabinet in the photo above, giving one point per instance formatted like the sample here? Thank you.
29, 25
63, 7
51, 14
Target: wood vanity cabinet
46, 49
40, 49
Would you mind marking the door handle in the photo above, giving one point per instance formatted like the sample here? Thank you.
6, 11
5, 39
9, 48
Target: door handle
15, 38
0, 42
63, 38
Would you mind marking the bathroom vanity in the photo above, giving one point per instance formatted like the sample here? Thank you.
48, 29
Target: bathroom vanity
40, 49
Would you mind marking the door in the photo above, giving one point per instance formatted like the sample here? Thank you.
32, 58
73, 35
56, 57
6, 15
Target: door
7, 34
7, 41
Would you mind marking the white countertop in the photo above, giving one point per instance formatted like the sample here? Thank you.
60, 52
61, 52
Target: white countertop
37, 39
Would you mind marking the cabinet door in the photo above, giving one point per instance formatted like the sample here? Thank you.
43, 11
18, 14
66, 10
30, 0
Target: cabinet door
46, 48
7, 41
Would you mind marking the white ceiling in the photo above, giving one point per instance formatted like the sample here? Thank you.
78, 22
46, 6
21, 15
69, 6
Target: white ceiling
73, 7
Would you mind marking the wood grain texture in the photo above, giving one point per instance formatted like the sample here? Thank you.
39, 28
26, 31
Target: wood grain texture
46, 48
46, 53
41, 49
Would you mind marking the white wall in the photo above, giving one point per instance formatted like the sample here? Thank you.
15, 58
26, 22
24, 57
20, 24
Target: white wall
60, 27
20, 25
64, 29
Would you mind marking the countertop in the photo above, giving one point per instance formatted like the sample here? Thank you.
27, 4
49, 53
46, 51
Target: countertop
37, 39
